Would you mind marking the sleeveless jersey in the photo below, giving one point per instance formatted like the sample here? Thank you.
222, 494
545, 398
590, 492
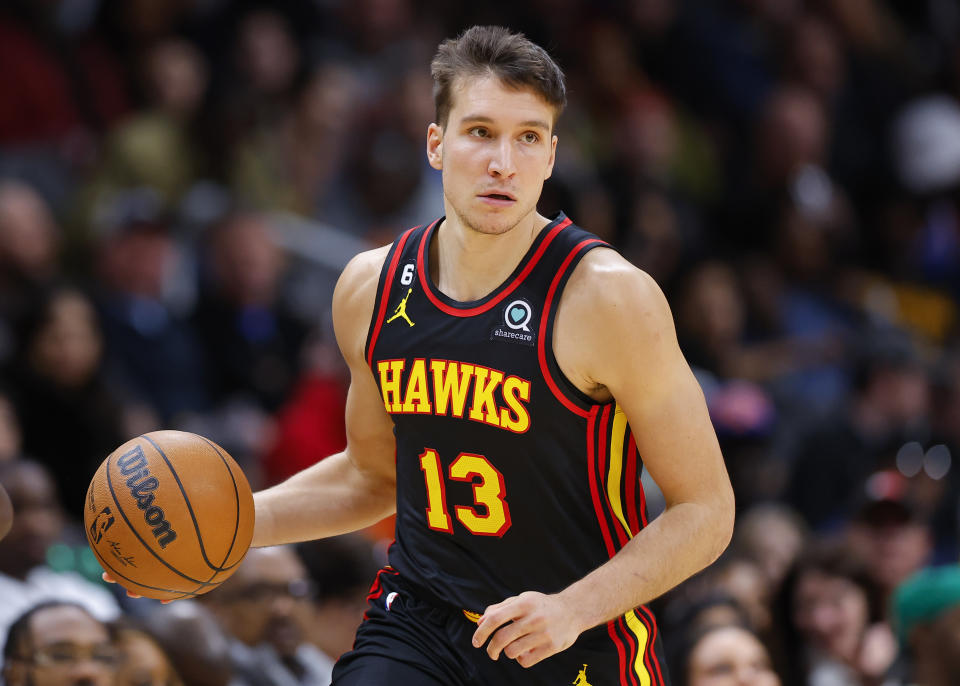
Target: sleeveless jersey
509, 478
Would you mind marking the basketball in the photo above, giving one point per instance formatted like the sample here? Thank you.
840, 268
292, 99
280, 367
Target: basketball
169, 514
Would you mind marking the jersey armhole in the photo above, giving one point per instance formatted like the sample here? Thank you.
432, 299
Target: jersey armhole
562, 388
383, 295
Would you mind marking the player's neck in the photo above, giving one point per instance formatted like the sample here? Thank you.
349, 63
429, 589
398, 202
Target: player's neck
466, 264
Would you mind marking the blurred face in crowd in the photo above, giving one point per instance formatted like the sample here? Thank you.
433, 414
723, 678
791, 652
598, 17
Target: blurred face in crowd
892, 549
67, 347
730, 656
27, 231
144, 663
65, 646
266, 600
37, 522
495, 151
832, 612
9, 430
248, 263
178, 76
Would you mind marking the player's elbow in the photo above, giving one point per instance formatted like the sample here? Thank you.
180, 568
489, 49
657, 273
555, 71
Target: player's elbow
722, 515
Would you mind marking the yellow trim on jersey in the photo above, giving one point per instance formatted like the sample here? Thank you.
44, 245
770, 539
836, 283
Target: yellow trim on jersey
618, 433
472, 616
640, 631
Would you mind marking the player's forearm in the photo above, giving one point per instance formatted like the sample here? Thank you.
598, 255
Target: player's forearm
331, 497
683, 540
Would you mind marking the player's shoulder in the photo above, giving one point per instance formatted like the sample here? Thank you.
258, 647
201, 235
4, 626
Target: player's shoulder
603, 275
360, 277
355, 297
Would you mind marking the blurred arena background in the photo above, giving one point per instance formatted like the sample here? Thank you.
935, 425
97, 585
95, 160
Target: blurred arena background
181, 182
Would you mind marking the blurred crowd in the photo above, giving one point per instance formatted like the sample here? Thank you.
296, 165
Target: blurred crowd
788, 171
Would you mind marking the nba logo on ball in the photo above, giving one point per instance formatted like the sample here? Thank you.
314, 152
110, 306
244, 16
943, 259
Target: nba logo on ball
169, 515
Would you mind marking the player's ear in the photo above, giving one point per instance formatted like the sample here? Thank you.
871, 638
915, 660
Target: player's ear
435, 146
553, 157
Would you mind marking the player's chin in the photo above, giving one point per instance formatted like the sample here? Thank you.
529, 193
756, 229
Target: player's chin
496, 224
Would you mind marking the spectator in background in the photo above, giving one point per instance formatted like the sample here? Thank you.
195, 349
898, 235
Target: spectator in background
831, 621
772, 536
889, 406
251, 340
69, 419
724, 655
194, 642
29, 247
142, 660
58, 87
25, 578
342, 569
266, 607
890, 530
6, 513
59, 644
153, 357
11, 438
299, 165
926, 614
310, 425
161, 147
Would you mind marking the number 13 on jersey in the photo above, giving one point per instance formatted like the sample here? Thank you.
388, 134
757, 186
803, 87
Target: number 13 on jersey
493, 519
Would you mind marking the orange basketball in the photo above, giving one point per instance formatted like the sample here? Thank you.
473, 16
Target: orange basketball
169, 514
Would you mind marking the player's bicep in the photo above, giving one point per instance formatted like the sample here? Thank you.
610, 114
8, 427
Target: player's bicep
639, 360
371, 444
370, 439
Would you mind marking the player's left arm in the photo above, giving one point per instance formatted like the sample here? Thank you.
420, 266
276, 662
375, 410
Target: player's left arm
615, 334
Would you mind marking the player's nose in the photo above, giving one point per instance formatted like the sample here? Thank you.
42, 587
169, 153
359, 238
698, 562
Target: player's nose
502, 161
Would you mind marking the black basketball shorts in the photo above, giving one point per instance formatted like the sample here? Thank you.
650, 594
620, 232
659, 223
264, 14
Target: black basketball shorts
406, 640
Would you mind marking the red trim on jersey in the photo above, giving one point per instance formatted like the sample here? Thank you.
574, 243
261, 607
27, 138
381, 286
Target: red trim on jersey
592, 472
480, 309
385, 296
541, 344
632, 482
632, 642
642, 493
644, 611
621, 651
647, 649
592, 475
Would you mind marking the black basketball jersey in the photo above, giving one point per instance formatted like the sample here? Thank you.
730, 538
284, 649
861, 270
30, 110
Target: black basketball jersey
509, 478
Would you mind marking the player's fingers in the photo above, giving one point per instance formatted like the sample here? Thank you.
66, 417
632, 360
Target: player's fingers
524, 644
532, 657
505, 636
110, 580
493, 618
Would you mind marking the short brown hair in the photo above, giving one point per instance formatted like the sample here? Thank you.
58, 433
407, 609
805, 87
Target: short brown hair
511, 57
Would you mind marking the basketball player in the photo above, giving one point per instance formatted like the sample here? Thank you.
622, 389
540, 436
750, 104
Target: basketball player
509, 372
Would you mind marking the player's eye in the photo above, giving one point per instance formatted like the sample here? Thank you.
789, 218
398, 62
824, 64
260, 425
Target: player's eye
479, 131
530, 137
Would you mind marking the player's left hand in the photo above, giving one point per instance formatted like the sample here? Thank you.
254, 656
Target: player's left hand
527, 628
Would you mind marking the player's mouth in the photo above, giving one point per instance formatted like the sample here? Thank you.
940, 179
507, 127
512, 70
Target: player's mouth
497, 198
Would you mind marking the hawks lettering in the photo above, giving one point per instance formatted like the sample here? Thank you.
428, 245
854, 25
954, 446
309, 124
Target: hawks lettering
458, 389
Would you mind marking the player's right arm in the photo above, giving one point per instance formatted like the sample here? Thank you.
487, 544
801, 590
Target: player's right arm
357, 487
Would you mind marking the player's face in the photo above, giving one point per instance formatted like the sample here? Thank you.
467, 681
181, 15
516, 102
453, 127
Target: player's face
495, 152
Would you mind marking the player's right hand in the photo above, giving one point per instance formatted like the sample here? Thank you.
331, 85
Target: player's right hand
110, 580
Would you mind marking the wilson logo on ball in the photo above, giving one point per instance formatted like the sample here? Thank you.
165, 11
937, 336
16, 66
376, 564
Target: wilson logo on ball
133, 464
